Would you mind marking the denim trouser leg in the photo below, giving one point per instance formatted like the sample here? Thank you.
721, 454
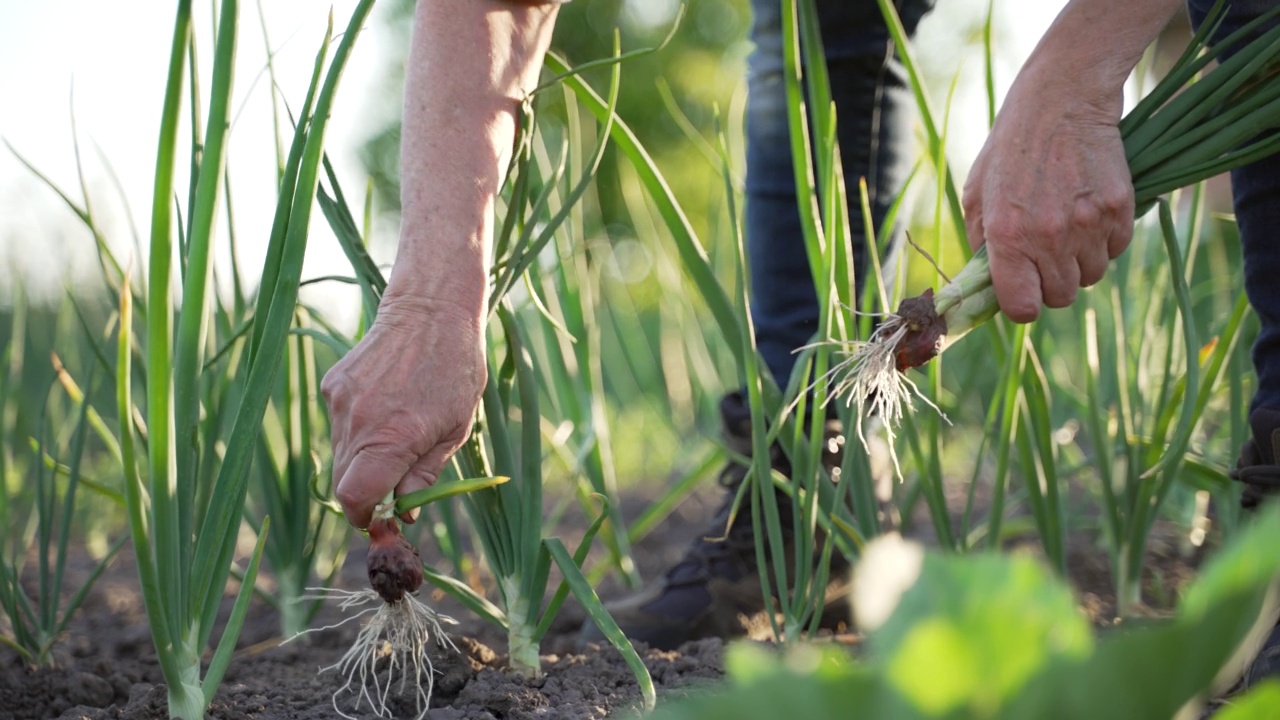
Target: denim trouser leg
874, 107
1256, 191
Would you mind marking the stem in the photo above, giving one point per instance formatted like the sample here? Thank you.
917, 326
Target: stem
186, 698
294, 611
522, 642
1128, 589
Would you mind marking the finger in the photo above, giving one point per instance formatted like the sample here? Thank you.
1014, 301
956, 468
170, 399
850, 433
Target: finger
372, 474
1092, 263
1118, 240
423, 474
1059, 281
339, 424
973, 225
341, 450
1016, 280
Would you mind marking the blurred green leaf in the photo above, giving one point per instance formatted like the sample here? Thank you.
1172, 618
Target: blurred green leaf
1260, 703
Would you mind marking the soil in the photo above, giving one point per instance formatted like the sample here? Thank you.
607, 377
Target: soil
107, 670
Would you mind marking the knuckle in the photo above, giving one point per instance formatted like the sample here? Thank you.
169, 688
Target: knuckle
331, 384
1087, 214
1001, 229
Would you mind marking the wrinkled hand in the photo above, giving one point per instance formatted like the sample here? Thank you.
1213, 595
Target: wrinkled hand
401, 402
1050, 195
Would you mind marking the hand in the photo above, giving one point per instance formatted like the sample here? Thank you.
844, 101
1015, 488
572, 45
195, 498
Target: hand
1050, 195
402, 402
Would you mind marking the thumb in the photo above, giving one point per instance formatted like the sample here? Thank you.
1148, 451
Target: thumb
1016, 280
372, 473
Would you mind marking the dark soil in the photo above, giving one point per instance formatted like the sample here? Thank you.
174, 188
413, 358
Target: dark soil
107, 669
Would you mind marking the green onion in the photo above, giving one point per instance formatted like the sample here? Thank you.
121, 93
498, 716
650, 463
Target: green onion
1178, 135
185, 510
37, 622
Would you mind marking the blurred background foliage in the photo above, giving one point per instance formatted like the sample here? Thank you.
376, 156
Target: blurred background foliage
671, 100
665, 96
662, 364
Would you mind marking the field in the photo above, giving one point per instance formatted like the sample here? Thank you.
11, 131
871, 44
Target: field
1074, 548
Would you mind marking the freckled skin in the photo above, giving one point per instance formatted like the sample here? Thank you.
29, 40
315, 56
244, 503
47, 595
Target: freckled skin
393, 564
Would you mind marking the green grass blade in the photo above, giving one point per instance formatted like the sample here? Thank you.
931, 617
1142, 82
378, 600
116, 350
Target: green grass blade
1186, 422
902, 47
807, 194
69, 497
469, 598
193, 321
691, 252
658, 509
77, 599
165, 530
1008, 431
579, 557
595, 610
135, 498
227, 644
285, 201
443, 490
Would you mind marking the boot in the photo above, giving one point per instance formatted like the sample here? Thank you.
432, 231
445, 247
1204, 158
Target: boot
1258, 469
715, 588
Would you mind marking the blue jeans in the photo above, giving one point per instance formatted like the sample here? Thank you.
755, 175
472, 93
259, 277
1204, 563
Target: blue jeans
1256, 193
874, 106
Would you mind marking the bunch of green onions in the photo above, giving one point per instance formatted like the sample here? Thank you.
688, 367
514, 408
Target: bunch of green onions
1182, 133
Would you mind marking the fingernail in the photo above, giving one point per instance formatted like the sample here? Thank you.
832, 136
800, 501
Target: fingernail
411, 516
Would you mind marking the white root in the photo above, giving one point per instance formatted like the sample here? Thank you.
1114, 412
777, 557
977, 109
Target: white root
400, 632
867, 377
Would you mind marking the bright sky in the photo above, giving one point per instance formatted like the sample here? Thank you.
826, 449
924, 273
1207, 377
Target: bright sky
108, 61
114, 54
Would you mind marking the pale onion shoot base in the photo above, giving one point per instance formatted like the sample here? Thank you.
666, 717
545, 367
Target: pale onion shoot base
399, 632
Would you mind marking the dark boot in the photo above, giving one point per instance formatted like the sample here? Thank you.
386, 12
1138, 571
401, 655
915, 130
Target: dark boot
1258, 469
715, 588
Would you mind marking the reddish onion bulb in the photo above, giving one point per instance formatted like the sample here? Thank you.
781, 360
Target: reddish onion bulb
394, 566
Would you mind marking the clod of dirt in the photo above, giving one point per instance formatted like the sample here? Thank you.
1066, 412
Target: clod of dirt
47, 692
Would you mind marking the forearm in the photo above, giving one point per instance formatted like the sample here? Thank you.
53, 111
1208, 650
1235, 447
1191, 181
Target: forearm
1093, 46
471, 64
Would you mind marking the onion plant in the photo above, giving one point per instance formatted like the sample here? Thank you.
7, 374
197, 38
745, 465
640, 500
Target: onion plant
38, 620
184, 514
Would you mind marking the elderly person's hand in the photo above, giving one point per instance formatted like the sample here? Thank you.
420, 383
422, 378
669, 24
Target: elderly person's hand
402, 402
1051, 198
1050, 193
